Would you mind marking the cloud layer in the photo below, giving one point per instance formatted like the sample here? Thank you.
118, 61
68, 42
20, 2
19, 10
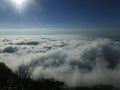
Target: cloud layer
75, 60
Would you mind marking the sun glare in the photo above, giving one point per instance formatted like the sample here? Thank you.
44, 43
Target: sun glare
19, 4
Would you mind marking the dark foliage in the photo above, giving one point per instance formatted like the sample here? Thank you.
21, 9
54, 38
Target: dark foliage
10, 81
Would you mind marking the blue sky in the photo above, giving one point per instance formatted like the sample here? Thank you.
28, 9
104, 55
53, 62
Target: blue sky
65, 14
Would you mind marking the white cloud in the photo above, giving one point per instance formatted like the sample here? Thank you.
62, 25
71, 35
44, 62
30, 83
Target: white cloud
77, 61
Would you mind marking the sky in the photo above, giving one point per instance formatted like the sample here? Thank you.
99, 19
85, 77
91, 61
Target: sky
60, 14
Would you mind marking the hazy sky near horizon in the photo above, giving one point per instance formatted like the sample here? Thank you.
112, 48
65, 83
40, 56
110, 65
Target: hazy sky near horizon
61, 14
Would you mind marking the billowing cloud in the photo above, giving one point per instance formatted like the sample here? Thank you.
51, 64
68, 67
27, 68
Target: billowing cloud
76, 61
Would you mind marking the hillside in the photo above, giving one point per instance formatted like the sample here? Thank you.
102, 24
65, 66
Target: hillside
10, 81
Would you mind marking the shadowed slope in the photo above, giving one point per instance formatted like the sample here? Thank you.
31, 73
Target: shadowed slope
10, 81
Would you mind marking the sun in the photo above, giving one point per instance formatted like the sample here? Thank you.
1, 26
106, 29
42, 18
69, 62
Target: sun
19, 2
20, 5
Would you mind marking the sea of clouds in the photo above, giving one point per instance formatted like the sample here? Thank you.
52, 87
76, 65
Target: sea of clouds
72, 59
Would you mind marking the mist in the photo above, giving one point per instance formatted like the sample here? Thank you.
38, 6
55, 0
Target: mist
74, 60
